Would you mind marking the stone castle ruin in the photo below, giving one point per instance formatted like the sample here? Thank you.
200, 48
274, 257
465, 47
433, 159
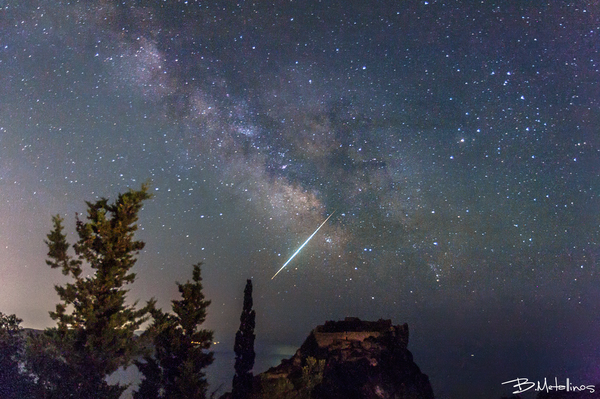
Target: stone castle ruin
354, 329
350, 358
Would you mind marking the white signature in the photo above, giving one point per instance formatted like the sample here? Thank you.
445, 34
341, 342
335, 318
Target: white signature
523, 385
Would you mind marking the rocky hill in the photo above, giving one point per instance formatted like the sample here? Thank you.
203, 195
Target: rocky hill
348, 359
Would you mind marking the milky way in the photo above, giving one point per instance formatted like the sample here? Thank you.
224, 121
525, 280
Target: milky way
457, 143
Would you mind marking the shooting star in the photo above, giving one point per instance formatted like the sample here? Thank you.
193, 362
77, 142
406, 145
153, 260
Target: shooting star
302, 246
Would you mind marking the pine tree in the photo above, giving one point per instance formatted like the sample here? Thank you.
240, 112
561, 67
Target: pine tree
176, 370
95, 327
244, 348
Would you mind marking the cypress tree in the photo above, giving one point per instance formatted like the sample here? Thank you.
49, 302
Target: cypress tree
244, 348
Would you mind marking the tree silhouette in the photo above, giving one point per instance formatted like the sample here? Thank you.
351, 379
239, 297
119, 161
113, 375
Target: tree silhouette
244, 348
176, 370
15, 383
95, 328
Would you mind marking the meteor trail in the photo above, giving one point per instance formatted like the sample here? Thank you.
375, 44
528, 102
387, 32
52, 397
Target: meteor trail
302, 246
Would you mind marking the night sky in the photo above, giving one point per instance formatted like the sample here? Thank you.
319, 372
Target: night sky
455, 142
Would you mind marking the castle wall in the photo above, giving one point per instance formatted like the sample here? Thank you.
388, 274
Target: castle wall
326, 339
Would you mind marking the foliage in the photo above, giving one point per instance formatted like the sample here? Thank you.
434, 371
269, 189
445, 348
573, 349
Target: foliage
299, 384
176, 368
312, 373
15, 382
95, 327
275, 387
244, 348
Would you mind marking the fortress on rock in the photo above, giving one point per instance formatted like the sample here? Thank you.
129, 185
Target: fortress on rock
348, 359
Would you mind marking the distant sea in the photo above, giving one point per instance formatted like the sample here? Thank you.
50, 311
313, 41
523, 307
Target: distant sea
220, 373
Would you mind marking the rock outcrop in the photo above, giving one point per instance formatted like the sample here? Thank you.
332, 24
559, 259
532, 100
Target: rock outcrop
348, 359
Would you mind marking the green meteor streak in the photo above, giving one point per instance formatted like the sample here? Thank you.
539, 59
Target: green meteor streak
302, 246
